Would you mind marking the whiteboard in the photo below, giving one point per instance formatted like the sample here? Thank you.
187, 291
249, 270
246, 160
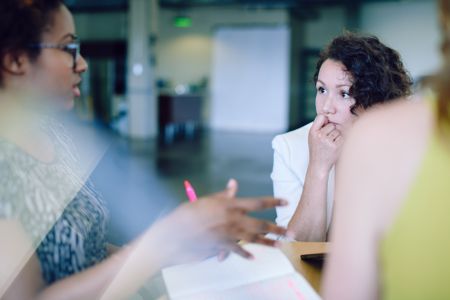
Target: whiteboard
250, 79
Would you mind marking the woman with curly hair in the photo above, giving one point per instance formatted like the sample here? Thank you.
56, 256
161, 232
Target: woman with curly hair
391, 229
352, 74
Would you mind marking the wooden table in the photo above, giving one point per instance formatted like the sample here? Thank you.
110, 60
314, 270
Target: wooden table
311, 272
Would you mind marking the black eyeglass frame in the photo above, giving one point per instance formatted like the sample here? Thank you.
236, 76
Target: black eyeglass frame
73, 48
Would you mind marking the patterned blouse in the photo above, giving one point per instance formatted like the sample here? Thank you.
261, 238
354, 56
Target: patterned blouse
62, 213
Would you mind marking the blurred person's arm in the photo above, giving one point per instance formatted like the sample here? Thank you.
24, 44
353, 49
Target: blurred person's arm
378, 163
309, 222
192, 231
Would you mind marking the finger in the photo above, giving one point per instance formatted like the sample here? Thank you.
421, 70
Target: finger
339, 140
327, 129
229, 192
232, 188
236, 248
223, 254
265, 241
319, 122
250, 226
254, 204
334, 134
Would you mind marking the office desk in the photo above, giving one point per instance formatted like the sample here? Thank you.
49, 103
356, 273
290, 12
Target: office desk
311, 272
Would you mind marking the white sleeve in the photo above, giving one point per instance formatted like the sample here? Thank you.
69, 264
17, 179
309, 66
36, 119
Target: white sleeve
286, 184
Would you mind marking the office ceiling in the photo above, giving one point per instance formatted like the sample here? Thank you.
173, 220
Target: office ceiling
111, 5
260, 3
97, 5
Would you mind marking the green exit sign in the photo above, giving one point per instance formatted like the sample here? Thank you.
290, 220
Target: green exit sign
182, 22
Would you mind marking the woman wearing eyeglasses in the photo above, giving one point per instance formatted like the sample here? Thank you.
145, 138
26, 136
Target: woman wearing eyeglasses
52, 222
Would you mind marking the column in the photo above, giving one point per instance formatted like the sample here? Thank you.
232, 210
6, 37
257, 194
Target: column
142, 113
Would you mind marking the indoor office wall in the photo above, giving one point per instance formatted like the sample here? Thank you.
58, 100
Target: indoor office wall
184, 55
410, 27
102, 26
249, 81
330, 22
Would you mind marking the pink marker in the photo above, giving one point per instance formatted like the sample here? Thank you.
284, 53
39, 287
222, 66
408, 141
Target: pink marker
190, 192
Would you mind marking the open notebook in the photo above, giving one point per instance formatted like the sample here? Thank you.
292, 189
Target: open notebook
269, 276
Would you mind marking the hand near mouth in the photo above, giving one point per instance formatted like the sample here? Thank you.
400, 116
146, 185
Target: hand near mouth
325, 142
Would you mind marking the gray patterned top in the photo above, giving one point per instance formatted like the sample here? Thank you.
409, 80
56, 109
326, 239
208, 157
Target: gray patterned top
63, 215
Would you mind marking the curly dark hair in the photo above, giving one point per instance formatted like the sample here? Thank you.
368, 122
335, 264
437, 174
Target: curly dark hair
22, 23
377, 72
440, 82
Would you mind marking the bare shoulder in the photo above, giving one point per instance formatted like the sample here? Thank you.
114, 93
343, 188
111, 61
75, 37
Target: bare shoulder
392, 134
402, 119
379, 161
383, 153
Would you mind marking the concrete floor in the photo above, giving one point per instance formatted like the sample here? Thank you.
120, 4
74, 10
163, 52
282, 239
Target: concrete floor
142, 181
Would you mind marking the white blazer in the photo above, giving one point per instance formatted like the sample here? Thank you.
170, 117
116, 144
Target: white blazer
290, 163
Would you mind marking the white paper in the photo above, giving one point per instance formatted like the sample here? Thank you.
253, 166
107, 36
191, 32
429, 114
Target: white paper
269, 276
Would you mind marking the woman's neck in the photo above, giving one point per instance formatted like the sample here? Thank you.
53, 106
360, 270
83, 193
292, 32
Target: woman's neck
20, 126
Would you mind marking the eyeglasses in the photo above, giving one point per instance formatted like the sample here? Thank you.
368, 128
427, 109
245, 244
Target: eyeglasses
72, 48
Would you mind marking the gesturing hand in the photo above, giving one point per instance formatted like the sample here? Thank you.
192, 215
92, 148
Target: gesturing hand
325, 142
213, 224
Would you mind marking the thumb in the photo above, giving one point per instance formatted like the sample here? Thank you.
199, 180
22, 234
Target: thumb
232, 188
229, 192
319, 122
